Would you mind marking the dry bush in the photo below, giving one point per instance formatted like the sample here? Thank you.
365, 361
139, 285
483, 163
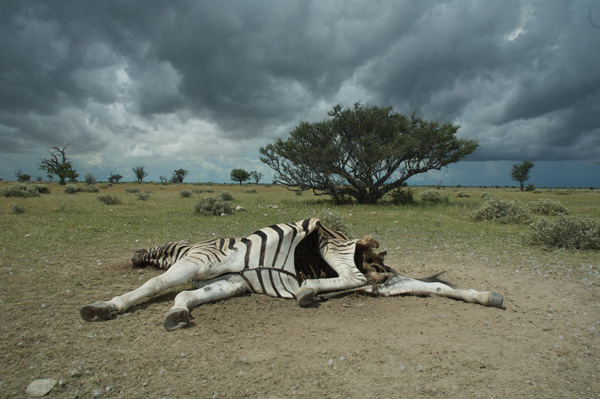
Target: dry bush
23, 191
502, 211
569, 232
545, 206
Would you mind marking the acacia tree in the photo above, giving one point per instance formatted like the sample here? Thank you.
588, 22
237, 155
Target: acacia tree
520, 172
256, 176
140, 173
178, 175
363, 152
58, 164
240, 175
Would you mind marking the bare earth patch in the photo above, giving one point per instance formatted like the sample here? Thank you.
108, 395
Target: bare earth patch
544, 344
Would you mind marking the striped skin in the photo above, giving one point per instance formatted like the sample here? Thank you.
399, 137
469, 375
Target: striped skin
277, 259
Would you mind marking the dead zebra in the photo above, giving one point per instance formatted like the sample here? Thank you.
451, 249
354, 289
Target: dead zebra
303, 260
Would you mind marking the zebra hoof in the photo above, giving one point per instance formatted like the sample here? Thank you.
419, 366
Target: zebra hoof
96, 311
495, 300
306, 296
176, 319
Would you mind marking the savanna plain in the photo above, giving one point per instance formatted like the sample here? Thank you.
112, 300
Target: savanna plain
61, 251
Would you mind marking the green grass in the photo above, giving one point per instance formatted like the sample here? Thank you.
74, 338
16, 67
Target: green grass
64, 226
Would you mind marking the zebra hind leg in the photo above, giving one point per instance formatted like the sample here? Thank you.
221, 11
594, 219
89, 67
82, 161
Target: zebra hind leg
178, 316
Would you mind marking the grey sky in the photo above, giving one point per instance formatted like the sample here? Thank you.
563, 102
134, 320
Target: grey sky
202, 85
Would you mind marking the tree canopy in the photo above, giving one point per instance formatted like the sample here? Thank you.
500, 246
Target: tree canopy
520, 172
240, 175
363, 152
59, 165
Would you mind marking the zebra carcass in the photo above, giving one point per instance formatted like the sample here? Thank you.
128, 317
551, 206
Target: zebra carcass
305, 260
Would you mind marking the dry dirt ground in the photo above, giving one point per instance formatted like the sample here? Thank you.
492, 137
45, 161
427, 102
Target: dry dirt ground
544, 344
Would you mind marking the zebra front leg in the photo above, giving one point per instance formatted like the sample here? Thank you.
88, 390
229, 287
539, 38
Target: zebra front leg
208, 291
400, 285
179, 273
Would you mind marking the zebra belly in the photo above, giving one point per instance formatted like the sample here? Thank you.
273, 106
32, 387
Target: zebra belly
271, 281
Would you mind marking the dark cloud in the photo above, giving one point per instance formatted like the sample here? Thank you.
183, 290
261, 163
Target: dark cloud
126, 77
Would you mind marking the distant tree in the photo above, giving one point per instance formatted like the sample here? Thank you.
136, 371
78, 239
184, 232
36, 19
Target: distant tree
256, 176
520, 172
363, 152
22, 177
140, 173
240, 175
179, 175
59, 165
114, 178
89, 179
164, 179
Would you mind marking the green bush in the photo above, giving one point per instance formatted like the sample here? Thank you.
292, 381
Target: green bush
251, 191
142, 196
91, 189
203, 190
402, 196
109, 199
185, 193
132, 190
21, 191
433, 197
225, 196
569, 232
73, 189
213, 205
462, 194
502, 211
545, 206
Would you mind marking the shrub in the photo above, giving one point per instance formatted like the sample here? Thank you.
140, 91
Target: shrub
185, 193
251, 191
90, 179
203, 190
530, 187
132, 190
487, 196
109, 199
502, 211
73, 189
91, 189
213, 205
334, 221
545, 206
433, 197
402, 196
18, 209
21, 191
225, 196
142, 196
569, 232
462, 194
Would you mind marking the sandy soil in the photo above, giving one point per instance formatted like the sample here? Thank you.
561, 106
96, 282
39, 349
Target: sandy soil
544, 344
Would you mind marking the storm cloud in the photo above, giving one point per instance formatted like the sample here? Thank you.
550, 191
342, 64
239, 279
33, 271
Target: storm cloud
202, 85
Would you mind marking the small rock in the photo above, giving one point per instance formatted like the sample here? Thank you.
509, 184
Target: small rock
40, 387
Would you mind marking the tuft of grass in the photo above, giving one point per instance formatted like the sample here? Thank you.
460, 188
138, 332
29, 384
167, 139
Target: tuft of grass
569, 232
495, 209
18, 209
214, 205
109, 199
185, 193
